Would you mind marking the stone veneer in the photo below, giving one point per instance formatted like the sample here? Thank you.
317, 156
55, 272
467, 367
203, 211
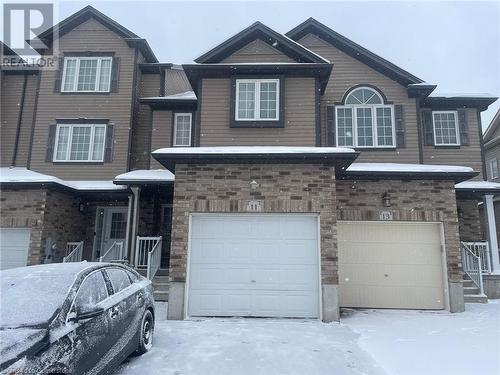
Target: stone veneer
299, 188
414, 200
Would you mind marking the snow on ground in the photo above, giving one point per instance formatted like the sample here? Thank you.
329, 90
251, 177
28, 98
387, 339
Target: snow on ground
425, 342
366, 342
251, 346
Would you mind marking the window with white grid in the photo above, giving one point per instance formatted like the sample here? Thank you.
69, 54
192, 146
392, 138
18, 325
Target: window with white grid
86, 74
445, 128
364, 120
257, 99
80, 142
494, 168
182, 129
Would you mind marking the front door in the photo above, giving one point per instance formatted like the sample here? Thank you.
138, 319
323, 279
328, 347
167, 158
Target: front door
111, 226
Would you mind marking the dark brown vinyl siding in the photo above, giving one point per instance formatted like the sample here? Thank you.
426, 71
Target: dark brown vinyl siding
12, 87
176, 82
469, 156
299, 129
148, 85
89, 36
257, 51
492, 152
348, 72
161, 135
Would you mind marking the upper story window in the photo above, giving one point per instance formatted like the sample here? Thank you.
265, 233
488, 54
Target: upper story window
446, 132
257, 100
494, 168
182, 129
80, 142
365, 121
87, 74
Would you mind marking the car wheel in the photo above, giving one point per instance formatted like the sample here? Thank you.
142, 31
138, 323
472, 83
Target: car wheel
146, 333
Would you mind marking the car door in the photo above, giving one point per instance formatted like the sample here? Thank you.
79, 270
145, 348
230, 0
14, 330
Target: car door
91, 339
128, 304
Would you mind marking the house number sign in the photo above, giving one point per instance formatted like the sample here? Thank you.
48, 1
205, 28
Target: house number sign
254, 206
386, 215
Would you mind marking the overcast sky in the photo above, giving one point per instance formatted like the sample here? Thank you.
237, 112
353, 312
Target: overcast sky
455, 45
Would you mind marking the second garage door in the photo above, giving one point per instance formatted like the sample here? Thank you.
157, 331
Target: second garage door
14, 244
390, 265
254, 265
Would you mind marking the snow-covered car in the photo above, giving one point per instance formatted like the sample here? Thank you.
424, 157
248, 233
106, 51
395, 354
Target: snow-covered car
78, 318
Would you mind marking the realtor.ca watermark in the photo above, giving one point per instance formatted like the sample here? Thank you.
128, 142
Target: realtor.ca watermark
29, 39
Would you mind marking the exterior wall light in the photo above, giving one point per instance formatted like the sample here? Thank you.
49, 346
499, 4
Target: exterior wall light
386, 200
254, 185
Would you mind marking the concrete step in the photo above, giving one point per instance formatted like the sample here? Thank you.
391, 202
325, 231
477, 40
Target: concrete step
160, 295
475, 298
160, 279
471, 290
467, 282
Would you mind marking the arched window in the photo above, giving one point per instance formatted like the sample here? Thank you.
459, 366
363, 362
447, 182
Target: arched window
364, 120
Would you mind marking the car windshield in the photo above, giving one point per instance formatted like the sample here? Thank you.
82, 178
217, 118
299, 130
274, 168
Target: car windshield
31, 297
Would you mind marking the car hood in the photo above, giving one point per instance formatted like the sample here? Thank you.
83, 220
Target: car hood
15, 343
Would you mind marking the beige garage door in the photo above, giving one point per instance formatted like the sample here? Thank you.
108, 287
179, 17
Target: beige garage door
390, 265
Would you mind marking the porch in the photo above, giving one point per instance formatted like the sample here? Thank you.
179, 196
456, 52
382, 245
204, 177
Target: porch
134, 229
479, 239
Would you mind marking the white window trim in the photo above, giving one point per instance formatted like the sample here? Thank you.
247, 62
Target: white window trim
257, 99
69, 144
174, 141
457, 130
495, 173
77, 71
374, 125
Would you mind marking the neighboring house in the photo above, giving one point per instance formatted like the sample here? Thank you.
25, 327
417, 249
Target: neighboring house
309, 172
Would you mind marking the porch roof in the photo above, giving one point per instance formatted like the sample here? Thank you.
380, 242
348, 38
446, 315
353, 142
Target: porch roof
19, 176
409, 171
481, 187
145, 176
339, 156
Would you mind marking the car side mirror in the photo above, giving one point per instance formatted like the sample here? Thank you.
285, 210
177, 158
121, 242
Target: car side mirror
87, 314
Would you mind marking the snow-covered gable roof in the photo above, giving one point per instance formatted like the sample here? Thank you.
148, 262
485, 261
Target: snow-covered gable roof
19, 175
260, 31
145, 175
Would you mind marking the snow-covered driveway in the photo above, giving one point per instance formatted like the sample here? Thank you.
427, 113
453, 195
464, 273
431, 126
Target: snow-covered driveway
366, 342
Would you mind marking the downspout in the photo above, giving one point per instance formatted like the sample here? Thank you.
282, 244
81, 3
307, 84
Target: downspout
129, 223
136, 190
19, 120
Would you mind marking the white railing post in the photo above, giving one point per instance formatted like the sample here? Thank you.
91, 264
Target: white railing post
74, 251
472, 265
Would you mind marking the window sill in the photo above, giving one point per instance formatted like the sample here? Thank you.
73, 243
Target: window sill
451, 147
257, 124
80, 162
85, 92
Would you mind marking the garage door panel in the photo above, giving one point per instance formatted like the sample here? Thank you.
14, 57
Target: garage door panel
14, 245
268, 266
390, 265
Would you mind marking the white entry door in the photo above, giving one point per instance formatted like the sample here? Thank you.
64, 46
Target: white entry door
390, 265
14, 245
254, 265
114, 226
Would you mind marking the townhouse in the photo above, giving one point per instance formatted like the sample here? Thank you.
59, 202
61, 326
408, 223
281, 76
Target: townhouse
280, 175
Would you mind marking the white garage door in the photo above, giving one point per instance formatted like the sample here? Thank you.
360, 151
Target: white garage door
254, 265
14, 244
390, 265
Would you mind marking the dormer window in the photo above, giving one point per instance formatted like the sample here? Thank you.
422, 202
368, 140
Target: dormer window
257, 100
87, 74
365, 121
